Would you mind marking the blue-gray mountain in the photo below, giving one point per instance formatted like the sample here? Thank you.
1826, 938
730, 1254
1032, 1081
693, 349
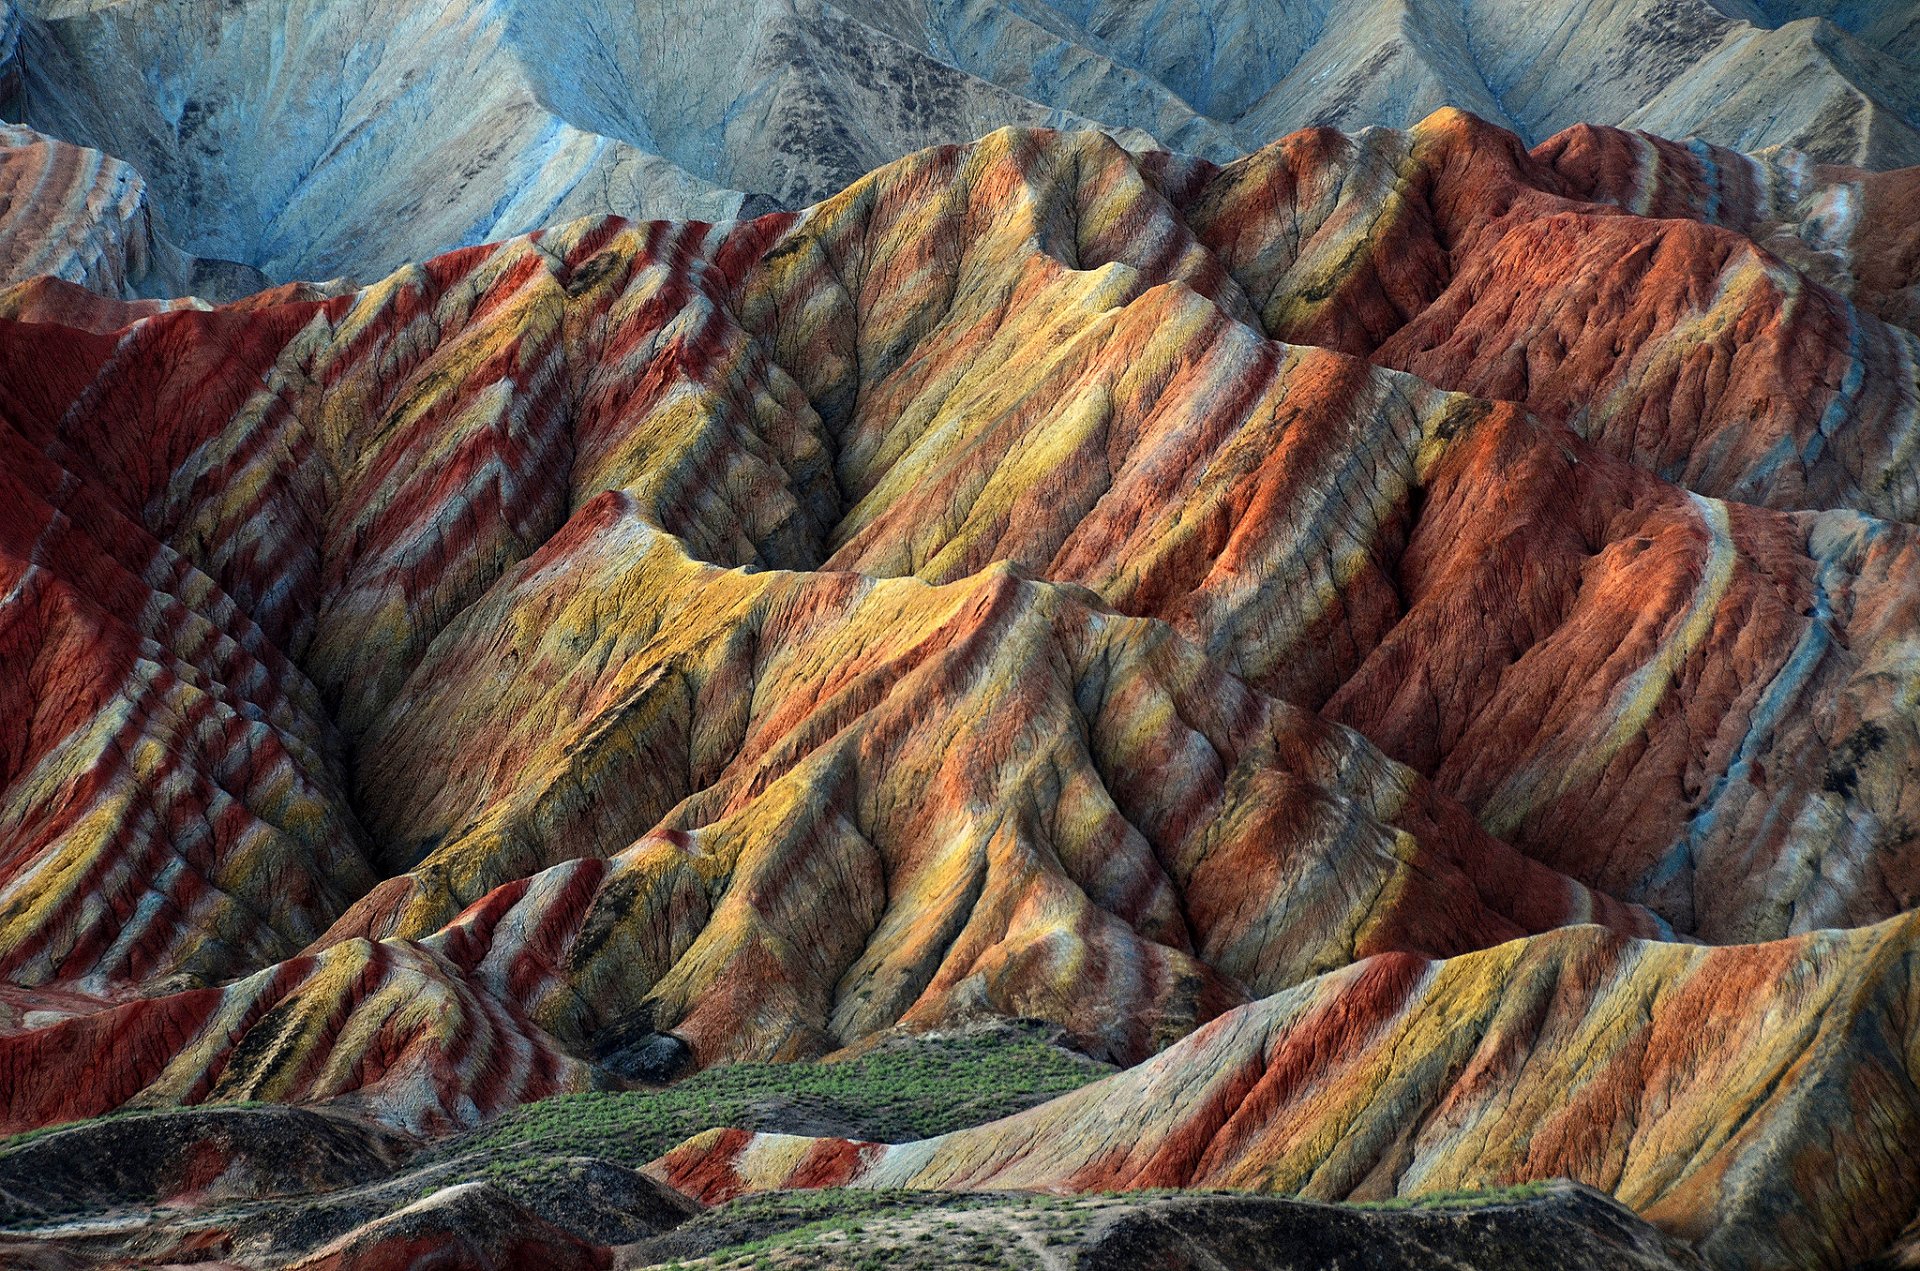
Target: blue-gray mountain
458, 121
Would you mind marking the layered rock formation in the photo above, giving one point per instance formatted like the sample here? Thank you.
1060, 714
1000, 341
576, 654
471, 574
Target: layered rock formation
265, 1186
458, 122
1696, 1085
480, 1225
1041, 580
78, 215
71, 217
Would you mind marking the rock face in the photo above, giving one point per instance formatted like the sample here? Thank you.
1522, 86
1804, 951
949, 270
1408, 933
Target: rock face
1577, 1054
472, 1225
83, 217
478, 1226
271, 1187
73, 215
1042, 580
457, 122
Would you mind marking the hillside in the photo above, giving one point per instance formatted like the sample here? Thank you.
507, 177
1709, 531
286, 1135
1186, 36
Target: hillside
1404, 642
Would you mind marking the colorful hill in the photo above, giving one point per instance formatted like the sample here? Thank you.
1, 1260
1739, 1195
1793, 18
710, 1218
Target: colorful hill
1754, 1100
1042, 580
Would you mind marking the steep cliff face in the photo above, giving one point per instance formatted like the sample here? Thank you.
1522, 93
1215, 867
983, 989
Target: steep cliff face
457, 122
1041, 580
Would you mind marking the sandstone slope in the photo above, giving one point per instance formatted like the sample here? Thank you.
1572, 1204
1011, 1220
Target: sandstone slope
1754, 1100
74, 217
1041, 580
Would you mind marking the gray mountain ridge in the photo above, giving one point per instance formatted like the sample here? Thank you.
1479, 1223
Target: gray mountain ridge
320, 138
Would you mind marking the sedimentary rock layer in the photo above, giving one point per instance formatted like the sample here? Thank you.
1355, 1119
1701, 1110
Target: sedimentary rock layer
82, 216
1040, 580
70, 216
1697, 1085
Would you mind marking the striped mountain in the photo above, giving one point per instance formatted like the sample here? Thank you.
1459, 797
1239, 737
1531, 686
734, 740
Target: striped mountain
1756, 1100
1040, 580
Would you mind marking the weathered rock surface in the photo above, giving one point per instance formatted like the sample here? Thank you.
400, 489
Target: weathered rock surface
478, 1226
274, 1187
200, 1157
472, 1225
1041, 580
74, 215
457, 122
1575, 1227
79, 215
1577, 1054
274, 1191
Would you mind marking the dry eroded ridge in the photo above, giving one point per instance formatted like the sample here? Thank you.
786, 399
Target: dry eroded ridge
1409, 644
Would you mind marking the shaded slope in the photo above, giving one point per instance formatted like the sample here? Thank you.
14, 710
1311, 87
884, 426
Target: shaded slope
504, 117
829, 1230
264, 1185
461, 122
204, 1157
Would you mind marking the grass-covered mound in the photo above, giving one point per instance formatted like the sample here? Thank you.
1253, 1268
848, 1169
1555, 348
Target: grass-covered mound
910, 1088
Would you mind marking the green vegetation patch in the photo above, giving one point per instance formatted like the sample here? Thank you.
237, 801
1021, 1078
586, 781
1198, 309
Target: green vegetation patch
894, 1094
